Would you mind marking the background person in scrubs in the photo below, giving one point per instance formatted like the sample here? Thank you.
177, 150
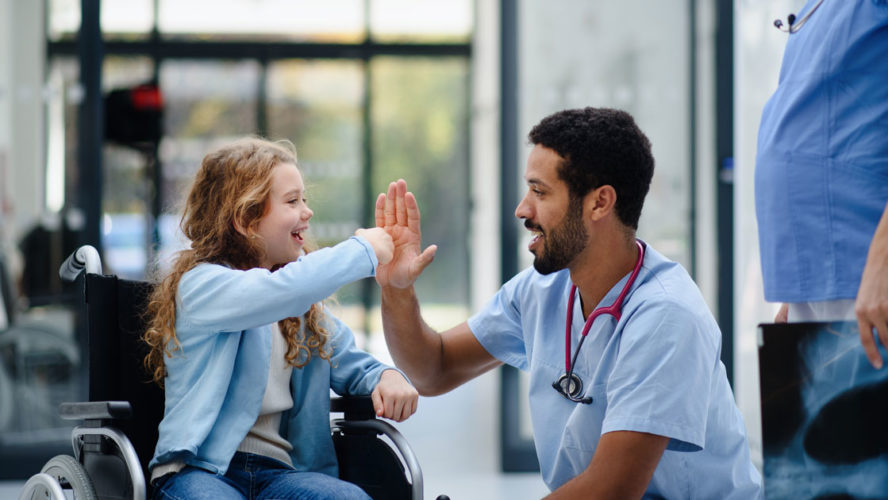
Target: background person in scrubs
655, 415
821, 177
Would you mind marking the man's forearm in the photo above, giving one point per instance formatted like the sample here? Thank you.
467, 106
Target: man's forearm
414, 346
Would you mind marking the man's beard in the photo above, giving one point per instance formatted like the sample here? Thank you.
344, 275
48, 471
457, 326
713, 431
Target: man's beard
563, 243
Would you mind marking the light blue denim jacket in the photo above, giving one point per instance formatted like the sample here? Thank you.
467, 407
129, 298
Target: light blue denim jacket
215, 384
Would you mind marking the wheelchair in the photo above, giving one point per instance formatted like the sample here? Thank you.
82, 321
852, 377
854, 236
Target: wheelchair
114, 443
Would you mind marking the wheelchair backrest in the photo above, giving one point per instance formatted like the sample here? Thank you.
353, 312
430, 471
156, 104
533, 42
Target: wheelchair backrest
116, 312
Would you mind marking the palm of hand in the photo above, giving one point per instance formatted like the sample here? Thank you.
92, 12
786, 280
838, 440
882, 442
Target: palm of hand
403, 270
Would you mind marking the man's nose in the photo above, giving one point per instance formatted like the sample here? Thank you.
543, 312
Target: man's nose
522, 211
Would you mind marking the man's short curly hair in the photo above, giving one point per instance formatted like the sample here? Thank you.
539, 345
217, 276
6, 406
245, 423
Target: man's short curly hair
600, 146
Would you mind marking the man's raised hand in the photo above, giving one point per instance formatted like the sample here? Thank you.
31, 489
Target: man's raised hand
398, 213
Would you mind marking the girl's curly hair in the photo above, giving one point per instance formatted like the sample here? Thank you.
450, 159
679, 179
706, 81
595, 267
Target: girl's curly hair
230, 190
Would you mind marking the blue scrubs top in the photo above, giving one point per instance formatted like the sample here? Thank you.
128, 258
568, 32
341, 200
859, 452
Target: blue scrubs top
656, 370
821, 177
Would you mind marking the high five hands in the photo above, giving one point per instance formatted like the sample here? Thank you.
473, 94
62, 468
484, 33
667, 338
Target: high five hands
398, 213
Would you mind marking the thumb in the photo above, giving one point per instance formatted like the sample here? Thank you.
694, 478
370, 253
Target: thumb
426, 258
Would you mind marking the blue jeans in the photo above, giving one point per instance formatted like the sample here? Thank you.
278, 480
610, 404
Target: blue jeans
254, 477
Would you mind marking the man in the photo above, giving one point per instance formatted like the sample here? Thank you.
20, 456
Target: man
821, 177
645, 407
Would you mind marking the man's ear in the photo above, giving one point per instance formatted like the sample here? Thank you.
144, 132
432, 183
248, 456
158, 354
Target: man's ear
600, 202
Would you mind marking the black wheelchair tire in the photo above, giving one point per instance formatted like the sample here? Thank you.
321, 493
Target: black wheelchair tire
66, 469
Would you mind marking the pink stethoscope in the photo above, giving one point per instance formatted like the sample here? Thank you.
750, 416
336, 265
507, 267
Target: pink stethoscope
569, 384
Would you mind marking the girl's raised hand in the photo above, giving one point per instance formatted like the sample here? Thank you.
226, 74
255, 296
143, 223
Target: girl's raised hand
394, 398
381, 242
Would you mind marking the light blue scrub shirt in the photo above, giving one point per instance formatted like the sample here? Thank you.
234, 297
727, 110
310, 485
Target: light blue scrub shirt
656, 370
821, 175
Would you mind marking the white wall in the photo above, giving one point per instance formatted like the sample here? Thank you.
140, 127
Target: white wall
22, 49
632, 55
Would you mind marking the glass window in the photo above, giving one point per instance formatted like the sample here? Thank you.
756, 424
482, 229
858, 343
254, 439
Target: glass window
421, 20
330, 20
63, 18
317, 105
420, 133
126, 183
207, 103
131, 19
127, 18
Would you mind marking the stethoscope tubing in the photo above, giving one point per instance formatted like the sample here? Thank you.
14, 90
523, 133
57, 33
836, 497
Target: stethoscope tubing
615, 310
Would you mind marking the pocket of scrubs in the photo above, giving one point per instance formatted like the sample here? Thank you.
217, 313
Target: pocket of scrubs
582, 431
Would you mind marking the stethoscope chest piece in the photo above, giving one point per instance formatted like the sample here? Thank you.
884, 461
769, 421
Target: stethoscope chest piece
572, 385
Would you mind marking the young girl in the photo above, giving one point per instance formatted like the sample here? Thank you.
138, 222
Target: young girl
245, 350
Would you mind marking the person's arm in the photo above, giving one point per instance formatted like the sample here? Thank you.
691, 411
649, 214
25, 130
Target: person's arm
871, 305
214, 297
621, 468
435, 363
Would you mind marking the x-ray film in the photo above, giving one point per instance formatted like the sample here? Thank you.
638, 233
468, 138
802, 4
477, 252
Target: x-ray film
824, 413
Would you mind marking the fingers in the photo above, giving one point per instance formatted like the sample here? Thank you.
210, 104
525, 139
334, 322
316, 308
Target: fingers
868, 341
389, 209
397, 206
394, 398
426, 258
376, 398
400, 202
380, 210
393, 407
883, 337
782, 314
412, 211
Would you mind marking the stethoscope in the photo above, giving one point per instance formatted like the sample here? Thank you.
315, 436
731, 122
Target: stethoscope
569, 384
793, 24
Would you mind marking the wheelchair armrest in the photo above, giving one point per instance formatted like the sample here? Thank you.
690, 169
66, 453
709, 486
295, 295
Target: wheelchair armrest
376, 427
89, 437
353, 407
95, 410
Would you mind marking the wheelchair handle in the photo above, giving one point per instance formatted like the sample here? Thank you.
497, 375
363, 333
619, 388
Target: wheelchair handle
84, 258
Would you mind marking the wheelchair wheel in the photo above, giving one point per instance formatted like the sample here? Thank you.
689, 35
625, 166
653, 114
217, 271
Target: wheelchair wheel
70, 474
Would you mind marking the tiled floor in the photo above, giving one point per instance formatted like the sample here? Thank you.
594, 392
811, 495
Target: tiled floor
455, 439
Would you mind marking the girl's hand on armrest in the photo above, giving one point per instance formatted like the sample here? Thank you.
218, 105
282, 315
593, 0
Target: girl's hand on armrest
394, 398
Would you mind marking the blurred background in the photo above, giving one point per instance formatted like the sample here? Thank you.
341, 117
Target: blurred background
107, 107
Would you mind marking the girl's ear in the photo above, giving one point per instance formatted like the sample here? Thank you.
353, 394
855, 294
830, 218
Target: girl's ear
240, 228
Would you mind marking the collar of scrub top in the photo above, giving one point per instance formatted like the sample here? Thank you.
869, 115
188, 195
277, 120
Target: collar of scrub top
615, 310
